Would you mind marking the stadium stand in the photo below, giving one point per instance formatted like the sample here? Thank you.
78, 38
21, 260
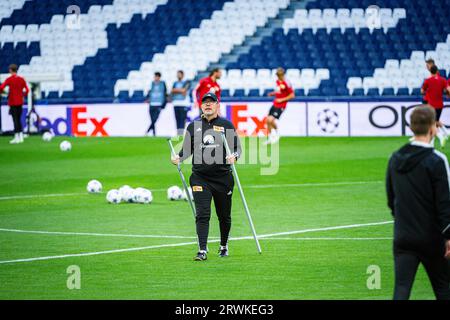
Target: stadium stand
329, 48
40, 12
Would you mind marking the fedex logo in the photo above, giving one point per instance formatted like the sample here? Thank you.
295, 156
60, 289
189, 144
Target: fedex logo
76, 123
246, 124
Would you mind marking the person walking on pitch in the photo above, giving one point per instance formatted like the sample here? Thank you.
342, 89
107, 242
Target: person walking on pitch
433, 89
283, 93
211, 178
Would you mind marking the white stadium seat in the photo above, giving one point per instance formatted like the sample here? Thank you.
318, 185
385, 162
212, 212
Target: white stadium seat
343, 19
354, 83
368, 83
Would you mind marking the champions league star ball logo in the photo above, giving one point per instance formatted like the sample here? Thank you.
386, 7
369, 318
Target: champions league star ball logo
328, 120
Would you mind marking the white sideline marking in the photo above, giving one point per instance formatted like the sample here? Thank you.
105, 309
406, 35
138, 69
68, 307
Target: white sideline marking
261, 186
191, 243
100, 252
312, 184
180, 237
97, 234
51, 195
327, 238
325, 229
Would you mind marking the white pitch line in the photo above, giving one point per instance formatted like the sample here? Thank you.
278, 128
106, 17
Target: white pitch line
191, 243
97, 234
327, 238
31, 196
175, 236
312, 184
100, 252
261, 186
325, 229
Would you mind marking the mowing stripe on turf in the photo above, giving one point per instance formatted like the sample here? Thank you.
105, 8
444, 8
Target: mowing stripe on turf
261, 186
191, 243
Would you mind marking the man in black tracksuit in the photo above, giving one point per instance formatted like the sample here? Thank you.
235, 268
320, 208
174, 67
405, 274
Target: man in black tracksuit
417, 184
211, 171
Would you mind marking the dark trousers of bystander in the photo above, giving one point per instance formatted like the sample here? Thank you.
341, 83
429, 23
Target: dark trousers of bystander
180, 116
154, 115
436, 266
16, 113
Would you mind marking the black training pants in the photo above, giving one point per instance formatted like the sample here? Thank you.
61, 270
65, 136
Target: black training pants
204, 190
16, 113
436, 266
154, 115
180, 116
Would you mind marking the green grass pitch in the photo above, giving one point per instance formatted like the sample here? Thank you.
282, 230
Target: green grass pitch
321, 183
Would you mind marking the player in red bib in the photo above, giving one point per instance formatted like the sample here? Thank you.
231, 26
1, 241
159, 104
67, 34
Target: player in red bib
433, 88
18, 89
283, 93
207, 85
429, 64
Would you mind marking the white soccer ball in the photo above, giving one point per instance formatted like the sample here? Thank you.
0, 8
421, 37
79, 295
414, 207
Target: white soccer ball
47, 136
174, 193
65, 146
142, 195
113, 196
127, 193
190, 193
94, 186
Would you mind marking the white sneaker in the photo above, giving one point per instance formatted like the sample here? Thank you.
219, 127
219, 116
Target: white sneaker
21, 137
15, 140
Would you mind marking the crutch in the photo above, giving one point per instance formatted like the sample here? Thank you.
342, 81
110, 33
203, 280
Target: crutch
185, 186
247, 211
183, 180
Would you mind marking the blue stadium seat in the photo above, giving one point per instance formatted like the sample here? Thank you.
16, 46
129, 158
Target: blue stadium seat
373, 92
239, 93
388, 92
138, 96
225, 93
18, 55
403, 92
253, 93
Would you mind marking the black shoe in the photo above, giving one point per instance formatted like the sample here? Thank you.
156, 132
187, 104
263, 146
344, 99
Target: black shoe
223, 252
201, 256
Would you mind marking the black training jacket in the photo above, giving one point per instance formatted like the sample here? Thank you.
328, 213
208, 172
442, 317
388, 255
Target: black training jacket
203, 140
417, 184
